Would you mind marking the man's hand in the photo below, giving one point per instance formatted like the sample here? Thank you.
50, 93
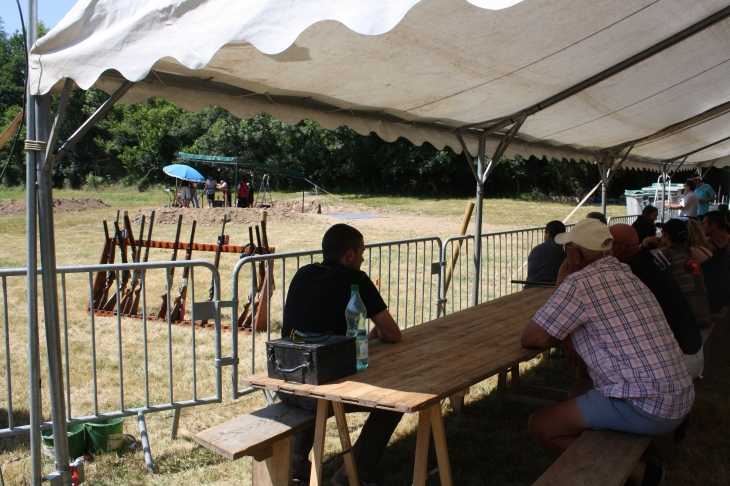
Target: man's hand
385, 327
651, 240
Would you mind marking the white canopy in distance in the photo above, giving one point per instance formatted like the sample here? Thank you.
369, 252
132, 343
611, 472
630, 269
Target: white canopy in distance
591, 77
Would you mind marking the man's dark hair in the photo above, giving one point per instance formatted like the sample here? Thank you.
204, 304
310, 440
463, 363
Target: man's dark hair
690, 184
599, 216
555, 228
648, 210
338, 239
716, 218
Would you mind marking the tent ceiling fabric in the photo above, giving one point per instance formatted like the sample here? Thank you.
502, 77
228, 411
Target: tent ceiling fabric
418, 69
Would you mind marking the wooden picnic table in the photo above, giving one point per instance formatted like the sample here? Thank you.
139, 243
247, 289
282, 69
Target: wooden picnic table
433, 361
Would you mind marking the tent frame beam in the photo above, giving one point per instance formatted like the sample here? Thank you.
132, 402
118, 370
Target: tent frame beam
611, 71
91, 121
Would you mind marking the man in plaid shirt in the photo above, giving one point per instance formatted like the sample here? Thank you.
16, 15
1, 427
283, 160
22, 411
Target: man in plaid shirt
641, 383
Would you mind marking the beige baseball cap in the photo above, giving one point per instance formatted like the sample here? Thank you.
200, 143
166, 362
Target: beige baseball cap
588, 233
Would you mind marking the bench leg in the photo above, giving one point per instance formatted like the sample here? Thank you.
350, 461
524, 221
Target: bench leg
420, 469
320, 429
515, 379
457, 401
273, 467
501, 390
439, 440
716, 340
339, 409
664, 443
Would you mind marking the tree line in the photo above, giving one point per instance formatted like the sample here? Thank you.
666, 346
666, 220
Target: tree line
132, 143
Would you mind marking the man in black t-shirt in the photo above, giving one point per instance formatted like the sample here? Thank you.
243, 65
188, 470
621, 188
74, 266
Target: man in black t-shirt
316, 302
668, 293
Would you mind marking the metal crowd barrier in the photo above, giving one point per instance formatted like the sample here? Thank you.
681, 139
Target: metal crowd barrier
503, 259
111, 349
628, 219
406, 272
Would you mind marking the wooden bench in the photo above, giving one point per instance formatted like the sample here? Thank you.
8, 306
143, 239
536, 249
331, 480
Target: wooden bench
267, 435
597, 457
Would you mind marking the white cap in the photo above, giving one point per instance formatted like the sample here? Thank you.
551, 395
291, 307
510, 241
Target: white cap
588, 233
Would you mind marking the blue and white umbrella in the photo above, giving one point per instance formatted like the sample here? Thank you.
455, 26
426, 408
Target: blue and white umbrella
183, 172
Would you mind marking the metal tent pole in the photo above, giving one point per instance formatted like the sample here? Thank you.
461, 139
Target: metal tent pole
50, 290
604, 186
476, 283
34, 366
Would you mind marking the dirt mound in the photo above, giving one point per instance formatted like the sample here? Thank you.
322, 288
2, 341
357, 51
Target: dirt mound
285, 210
16, 207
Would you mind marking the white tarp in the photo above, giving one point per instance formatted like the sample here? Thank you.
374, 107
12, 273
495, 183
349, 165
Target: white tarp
423, 70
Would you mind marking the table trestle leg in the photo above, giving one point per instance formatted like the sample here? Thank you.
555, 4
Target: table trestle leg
320, 430
428, 420
420, 469
342, 429
439, 440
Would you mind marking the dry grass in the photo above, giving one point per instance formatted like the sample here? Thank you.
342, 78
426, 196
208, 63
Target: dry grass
483, 447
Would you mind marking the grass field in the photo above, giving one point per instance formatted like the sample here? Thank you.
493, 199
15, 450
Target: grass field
484, 448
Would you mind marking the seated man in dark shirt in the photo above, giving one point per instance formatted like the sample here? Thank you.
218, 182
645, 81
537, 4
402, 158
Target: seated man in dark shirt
660, 282
545, 259
316, 302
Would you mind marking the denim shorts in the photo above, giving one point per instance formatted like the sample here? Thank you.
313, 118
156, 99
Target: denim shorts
603, 413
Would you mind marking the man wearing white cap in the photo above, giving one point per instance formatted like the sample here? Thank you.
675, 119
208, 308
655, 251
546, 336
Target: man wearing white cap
705, 195
640, 380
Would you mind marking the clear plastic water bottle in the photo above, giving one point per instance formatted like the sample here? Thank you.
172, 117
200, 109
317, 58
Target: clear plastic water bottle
355, 313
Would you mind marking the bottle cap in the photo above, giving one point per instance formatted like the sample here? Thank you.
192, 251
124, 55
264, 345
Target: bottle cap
355, 288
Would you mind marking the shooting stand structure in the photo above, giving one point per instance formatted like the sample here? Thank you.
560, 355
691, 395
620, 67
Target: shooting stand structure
101, 277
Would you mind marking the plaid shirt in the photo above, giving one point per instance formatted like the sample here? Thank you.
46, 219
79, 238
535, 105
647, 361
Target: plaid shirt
619, 330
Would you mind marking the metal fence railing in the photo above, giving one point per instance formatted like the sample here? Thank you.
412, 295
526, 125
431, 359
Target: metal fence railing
503, 259
628, 219
114, 365
406, 272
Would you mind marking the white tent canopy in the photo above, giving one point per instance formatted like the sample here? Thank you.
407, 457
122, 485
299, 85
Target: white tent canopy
579, 78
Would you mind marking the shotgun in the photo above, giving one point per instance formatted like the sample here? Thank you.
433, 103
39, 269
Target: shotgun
137, 293
162, 313
248, 250
216, 262
262, 306
126, 303
101, 298
178, 308
112, 302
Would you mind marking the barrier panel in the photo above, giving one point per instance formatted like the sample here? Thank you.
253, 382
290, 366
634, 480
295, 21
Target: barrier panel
406, 272
114, 365
628, 219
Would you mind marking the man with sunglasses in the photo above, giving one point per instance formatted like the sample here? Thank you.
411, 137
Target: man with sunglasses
641, 383
316, 302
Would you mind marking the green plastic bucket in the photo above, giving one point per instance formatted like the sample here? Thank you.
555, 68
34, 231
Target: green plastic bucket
105, 435
76, 441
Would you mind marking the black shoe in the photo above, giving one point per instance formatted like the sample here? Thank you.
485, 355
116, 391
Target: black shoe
302, 470
653, 475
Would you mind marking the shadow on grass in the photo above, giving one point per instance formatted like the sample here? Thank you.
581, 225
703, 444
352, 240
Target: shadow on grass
484, 448
14, 442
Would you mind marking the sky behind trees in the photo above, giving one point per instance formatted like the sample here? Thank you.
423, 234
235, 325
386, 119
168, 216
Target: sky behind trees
50, 12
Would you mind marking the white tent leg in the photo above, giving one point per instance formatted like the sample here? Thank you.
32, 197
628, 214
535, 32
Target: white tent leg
476, 283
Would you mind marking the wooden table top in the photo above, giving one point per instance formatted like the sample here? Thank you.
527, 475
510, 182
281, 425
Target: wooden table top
434, 360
